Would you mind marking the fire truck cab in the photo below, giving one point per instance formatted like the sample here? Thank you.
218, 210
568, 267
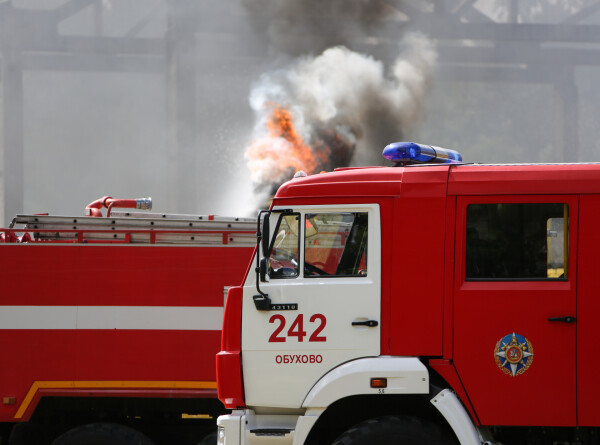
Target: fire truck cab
439, 303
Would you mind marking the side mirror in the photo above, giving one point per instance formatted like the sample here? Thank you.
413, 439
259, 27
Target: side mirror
263, 269
265, 235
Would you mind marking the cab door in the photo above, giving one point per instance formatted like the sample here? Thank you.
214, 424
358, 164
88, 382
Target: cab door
323, 285
515, 307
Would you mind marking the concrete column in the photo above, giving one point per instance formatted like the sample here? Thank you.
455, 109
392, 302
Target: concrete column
566, 118
11, 120
181, 108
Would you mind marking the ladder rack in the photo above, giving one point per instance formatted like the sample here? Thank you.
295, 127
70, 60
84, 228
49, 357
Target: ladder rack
134, 228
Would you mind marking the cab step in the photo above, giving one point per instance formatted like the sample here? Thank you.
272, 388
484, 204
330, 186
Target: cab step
271, 432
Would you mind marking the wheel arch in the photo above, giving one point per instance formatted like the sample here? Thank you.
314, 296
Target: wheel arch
413, 390
349, 411
403, 375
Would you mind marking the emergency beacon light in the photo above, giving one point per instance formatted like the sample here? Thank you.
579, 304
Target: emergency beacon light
413, 153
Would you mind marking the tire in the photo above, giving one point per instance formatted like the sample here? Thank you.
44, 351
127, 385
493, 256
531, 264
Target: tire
102, 434
209, 439
392, 430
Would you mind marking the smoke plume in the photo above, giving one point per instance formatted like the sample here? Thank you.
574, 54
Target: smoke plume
298, 27
336, 109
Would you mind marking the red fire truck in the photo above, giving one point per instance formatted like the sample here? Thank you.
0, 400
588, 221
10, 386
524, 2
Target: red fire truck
439, 303
109, 325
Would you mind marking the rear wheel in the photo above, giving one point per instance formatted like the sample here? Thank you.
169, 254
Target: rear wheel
394, 430
103, 434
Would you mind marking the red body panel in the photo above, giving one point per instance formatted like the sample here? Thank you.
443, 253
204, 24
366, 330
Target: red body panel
588, 312
229, 364
417, 271
448, 335
524, 179
118, 275
485, 312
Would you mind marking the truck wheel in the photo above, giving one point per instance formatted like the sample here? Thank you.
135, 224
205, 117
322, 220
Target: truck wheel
394, 430
209, 439
102, 434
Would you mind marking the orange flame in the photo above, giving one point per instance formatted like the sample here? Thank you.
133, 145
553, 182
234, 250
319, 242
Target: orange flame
279, 155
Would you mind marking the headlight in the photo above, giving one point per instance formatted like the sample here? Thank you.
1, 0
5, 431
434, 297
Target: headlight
221, 436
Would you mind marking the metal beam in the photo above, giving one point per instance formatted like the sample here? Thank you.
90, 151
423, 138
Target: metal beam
468, 12
461, 73
462, 6
148, 17
438, 26
519, 54
502, 54
443, 28
508, 54
40, 33
37, 31
510, 32
93, 63
71, 8
583, 13
94, 45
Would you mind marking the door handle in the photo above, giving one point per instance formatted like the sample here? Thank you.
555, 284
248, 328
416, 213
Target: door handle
567, 319
368, 323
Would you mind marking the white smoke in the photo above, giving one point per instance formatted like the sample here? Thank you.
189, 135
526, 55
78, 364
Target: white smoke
345, 107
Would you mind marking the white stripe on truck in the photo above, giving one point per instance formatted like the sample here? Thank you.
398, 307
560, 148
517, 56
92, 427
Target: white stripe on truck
112, 317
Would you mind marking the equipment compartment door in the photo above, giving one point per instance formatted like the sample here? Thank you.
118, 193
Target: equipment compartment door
515, 307
324, 289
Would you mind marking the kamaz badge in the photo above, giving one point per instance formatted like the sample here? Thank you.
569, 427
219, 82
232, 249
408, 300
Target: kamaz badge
513, 354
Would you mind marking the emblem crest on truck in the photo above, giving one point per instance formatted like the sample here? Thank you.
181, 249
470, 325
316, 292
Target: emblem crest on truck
513, 354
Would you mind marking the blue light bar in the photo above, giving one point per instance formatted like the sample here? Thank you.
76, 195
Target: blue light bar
413, 153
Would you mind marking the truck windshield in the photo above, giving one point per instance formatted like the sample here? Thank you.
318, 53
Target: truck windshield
335, 245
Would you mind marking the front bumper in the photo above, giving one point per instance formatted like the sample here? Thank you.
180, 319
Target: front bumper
229, 428
244, 427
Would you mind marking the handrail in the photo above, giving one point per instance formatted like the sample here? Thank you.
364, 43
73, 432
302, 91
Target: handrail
31, 236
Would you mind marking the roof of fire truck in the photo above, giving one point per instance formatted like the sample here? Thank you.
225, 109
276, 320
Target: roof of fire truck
452, 178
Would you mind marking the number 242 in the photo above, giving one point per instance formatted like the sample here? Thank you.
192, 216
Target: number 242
297, 328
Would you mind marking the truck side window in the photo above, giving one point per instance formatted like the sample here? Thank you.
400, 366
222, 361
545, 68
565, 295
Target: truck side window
283, 260
522, 242
335, 245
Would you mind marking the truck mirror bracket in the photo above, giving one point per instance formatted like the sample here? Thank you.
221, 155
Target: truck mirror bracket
262, 302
